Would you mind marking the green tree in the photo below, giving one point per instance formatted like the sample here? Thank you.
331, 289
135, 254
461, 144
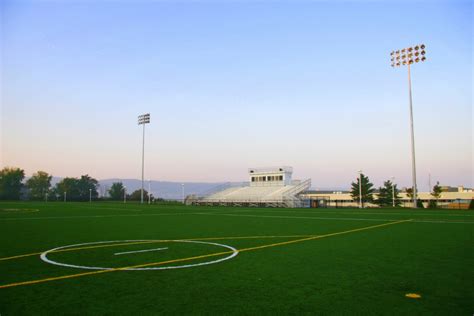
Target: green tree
136, 195
68, 187
11, 183
367, 189
436, 193
387, 194
116, 191
39, 185
77, 189
88, 185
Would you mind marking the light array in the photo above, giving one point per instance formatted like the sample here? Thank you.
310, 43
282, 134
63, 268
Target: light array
408, 55
144, 119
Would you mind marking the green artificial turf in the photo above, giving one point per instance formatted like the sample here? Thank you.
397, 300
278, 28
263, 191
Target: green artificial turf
366, 271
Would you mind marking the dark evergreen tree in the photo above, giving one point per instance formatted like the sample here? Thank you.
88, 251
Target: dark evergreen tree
387, 193
367, 190
436, 193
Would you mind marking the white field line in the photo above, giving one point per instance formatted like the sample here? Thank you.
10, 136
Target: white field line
94, 216
147, 250
440, 221
335, 218
358, 213
226, 214
301, 217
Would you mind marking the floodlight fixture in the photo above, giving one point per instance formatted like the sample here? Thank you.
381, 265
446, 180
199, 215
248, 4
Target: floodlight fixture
143, 120
407, 59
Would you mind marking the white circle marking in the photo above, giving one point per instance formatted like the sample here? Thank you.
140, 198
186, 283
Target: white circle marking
44, 256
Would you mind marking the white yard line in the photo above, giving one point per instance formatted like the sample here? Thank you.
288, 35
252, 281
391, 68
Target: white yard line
218, 213
336, 218
408, 213
93, 216
147, 250
301, 217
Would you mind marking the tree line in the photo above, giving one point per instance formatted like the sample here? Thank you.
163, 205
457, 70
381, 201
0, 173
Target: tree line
388, 194
85, 188
38, 187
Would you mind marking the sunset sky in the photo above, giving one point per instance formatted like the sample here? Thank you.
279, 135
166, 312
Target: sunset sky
236, 84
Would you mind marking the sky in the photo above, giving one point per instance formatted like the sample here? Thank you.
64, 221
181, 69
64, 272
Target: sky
232, 85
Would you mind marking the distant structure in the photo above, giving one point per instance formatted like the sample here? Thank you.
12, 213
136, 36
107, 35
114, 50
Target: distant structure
267, 187
451, 198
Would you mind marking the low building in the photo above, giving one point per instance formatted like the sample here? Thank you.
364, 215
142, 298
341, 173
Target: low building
459, 199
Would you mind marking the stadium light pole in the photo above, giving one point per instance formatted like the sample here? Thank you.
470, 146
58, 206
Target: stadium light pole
149, 190
360, 188
142, 120
406, 57
90, 195
393, 192
182, 192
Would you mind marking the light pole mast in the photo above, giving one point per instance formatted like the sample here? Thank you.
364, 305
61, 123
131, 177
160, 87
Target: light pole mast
393, 192
360, 188
149, 191
142, 120
408, 56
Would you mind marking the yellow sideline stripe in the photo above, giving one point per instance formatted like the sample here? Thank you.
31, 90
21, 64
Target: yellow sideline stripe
199, 257
148, 242
79, 248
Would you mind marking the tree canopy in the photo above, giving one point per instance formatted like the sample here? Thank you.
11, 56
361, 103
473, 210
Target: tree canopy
11, 183
436, 192
367, 189
116, 191
387, 193
77, 189
39, 185
136, 195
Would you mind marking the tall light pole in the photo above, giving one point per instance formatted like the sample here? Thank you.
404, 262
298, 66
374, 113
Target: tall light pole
393, 192
90, 195
149, 191
124, 194
142, 120
182, 192
408, 56
360, 188
65, 193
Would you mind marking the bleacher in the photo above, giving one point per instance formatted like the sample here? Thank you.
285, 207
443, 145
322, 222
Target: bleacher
271, 187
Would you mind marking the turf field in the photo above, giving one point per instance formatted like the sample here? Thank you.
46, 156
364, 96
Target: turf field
113, 258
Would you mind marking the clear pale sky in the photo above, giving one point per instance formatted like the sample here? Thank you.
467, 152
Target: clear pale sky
236, 84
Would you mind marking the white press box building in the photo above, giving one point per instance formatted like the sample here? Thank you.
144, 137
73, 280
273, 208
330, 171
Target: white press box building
267, 187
